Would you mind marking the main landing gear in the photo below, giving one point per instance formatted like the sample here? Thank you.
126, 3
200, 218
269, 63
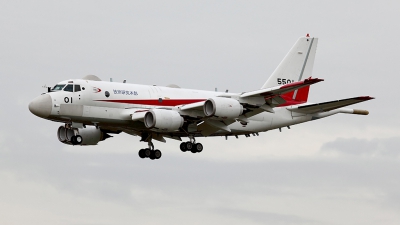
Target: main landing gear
150, 152
191, 146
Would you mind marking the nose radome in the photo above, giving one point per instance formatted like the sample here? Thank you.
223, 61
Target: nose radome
41, 106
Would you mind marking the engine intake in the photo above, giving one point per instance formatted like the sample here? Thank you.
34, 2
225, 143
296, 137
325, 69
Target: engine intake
163, 119
226, 108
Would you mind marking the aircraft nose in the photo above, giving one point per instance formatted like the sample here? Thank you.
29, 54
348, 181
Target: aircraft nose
41, 106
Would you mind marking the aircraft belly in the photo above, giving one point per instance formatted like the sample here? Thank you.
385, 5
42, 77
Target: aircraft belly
283, 118
252, 126
258, 123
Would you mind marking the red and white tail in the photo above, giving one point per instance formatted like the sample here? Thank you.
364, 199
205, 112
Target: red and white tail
298, 96
296, 66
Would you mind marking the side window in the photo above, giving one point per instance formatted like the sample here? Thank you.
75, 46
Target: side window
69, 88
77, 87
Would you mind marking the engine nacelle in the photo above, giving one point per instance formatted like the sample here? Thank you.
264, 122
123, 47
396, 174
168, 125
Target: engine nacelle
85, 136
226, 108
168, 120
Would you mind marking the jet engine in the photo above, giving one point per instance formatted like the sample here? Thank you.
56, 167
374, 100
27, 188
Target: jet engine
226, 108
163, 119
84, 136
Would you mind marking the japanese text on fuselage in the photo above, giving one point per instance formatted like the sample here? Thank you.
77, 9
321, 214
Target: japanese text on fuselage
125, 92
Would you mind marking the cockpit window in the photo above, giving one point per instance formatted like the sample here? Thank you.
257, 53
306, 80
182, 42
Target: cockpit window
58, 87
69, 88
77, 87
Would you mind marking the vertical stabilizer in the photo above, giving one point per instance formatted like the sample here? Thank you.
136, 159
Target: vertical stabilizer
297, 64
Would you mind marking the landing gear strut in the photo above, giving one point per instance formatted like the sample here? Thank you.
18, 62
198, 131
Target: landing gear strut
191, 146
150, 152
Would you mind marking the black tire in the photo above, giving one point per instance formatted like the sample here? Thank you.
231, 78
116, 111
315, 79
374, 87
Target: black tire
193, 150
141, 154
157, 154
152, 155
78, 139
147, 152
189, 145
183, 147
198, 147
73, 140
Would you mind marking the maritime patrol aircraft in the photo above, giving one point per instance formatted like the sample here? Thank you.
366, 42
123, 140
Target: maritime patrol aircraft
92, 110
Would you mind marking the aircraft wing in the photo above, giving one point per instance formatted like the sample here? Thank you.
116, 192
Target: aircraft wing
275, 91
267, 93
327, 106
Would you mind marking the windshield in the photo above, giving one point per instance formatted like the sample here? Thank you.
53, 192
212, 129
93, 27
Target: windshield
58, 87
69, 88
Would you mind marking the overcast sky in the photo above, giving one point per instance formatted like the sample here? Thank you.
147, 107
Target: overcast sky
343, 169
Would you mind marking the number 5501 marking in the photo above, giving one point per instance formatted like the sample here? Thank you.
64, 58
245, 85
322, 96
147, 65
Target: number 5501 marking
284, 81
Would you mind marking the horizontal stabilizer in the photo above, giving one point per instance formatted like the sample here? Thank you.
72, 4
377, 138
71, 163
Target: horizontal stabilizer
278, 90
327, 106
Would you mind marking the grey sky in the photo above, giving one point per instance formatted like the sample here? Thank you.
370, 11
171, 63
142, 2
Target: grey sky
339, 170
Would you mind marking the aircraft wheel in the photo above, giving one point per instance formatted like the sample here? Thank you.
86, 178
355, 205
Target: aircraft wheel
73, 140
152, 155
157, 154
189, 145
141, 154
198, 147
147, 152
183, 147
78, 139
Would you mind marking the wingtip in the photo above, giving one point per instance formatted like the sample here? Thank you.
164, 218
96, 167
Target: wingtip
365, 98
311, 80
360, 112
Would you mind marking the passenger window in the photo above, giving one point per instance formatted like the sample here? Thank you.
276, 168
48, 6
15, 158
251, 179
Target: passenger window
77, 87
69, 88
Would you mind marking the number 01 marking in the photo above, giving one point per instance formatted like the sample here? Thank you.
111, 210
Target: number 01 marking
67, 100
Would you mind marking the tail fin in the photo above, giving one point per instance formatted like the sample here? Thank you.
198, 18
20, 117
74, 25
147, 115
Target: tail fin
297, 64
298, 96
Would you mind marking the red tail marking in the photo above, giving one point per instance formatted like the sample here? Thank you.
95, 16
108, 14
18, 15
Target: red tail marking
301, 96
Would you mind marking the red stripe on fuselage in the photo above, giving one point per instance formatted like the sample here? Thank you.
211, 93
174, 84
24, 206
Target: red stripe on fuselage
156, 102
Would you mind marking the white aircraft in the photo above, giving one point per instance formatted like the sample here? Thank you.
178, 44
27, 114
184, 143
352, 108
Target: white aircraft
93, 109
